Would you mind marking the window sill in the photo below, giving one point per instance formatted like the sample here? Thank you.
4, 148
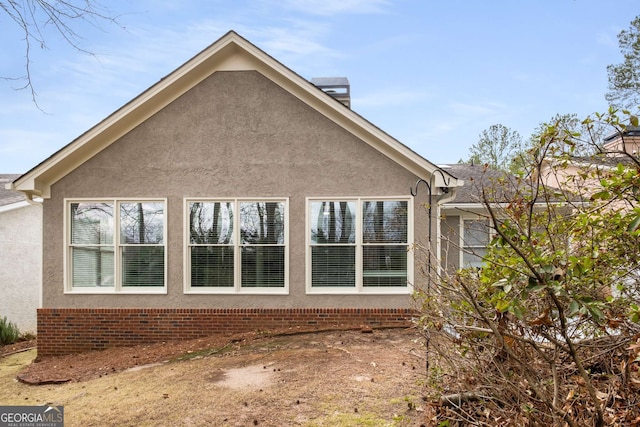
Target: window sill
138, 291
353, 291
257, 291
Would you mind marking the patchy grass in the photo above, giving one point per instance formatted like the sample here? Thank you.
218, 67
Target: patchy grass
206, 352
350, 420
322, 379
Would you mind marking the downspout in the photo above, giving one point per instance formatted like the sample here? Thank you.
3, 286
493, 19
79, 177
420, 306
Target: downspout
445, 197
31, 199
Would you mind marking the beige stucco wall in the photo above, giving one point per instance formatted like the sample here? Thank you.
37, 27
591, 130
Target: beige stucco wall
626, 143
236, 134
20, 264
565, 177
571, 179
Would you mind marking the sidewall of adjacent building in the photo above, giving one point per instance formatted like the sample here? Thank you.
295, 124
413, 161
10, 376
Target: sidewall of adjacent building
21, 265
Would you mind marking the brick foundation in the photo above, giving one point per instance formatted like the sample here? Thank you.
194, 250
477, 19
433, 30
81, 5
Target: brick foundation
73, 330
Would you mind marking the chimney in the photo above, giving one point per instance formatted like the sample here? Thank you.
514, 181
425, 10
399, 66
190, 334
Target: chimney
337, 87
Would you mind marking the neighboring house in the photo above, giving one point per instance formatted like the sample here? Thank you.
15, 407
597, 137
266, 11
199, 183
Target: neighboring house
20, 257
464, 226
581, 176
232, 195
569, 173
622, 143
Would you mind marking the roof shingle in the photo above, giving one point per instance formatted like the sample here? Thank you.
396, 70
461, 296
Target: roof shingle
8, 197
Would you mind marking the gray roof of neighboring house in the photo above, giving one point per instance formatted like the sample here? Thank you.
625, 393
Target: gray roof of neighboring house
8, 197
629, 131
475, 178
499, 186
603, 160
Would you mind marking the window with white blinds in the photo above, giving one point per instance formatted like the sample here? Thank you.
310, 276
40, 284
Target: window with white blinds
476, 235
359, 245
236, 245
116, 246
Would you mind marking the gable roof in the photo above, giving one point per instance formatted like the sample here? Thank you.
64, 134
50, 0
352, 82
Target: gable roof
229, 53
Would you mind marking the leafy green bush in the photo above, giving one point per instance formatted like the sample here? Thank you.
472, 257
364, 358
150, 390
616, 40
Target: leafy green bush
9, 332
547, 329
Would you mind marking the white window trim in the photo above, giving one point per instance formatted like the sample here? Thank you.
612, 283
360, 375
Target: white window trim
359, 289
462, 246
237, 288
117, 288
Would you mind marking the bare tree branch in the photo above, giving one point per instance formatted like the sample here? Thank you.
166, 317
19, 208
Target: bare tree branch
37, 18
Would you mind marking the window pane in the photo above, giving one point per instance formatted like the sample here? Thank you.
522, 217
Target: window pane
333, 222
476, 233
211, 222
142, 223
142, 266
212, 266
92, 223
333, 266
262, 266
385, 266
384, 222
473, 259
92, 266
262, 223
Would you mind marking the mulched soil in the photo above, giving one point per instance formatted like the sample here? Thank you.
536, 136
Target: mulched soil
8, 349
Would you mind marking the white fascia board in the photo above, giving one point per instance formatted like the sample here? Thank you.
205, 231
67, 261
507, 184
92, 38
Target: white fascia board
474, 207
14, 206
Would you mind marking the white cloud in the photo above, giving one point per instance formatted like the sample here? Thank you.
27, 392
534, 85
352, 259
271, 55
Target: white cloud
150, 53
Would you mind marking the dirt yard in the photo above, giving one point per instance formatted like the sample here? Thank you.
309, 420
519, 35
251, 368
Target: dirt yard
334, 378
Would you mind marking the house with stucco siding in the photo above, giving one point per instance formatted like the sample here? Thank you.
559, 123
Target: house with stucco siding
582, 174
20, 257
232, 195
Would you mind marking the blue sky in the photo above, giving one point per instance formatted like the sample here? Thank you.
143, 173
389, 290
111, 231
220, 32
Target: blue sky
432, 73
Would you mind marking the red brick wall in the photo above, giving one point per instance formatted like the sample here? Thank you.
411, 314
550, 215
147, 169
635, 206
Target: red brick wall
73, 330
